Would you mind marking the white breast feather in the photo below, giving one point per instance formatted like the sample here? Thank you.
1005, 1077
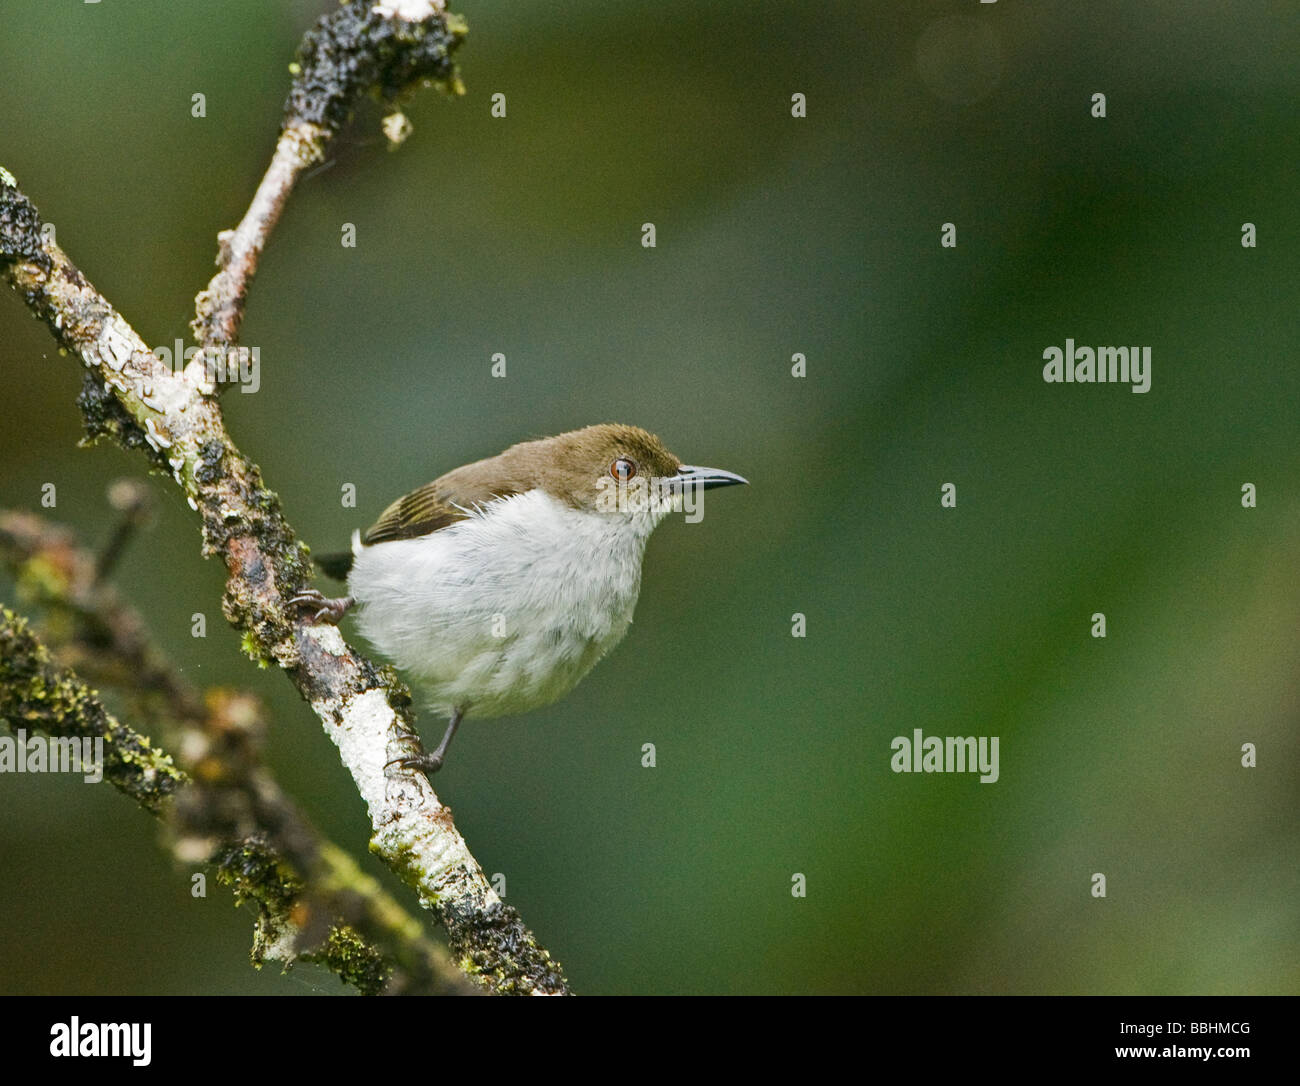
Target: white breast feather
506, 610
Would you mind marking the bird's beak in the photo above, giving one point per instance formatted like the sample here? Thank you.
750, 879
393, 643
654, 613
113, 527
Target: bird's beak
703, 478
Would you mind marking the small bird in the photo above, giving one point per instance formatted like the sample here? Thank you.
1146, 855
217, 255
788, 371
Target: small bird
499, 585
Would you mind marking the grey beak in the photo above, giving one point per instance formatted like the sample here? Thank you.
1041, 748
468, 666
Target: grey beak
703, 478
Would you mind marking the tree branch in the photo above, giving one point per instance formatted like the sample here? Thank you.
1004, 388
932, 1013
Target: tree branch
314, 903
33, 692
172, 418
362, 47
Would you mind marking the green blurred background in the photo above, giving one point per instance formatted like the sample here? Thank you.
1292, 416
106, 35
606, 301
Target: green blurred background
775, 235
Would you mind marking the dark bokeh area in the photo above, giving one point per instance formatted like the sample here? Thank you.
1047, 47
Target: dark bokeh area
775, 235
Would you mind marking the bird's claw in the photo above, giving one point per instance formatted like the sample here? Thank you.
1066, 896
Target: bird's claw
328, 610
429, 763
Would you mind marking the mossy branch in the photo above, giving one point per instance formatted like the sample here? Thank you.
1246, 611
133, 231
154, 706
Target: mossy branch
226, 811
36, 694
175, 421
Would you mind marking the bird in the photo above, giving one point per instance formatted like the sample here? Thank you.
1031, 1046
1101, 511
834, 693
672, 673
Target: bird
498, 586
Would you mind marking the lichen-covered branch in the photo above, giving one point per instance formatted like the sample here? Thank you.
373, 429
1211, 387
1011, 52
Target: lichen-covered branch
174, 419
104, 640
36, 694
227, 810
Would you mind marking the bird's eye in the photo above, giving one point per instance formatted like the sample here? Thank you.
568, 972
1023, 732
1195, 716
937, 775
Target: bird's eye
622, 469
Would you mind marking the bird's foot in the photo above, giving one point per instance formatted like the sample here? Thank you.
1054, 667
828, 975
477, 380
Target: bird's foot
427, 763
328, 610
430, 763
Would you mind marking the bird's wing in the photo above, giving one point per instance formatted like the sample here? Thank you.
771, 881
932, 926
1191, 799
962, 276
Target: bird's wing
434, 506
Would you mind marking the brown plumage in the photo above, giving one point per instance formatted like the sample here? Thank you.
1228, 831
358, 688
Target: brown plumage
585, 456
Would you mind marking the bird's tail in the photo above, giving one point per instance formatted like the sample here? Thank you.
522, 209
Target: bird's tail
336, 566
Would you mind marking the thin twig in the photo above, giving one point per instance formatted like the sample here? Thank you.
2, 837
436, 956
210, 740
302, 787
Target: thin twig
130, 497
359, 48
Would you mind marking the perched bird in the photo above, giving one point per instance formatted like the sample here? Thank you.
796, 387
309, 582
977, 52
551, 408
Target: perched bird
499, 585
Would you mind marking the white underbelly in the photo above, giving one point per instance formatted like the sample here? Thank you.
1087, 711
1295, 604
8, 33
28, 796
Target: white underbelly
496, 614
